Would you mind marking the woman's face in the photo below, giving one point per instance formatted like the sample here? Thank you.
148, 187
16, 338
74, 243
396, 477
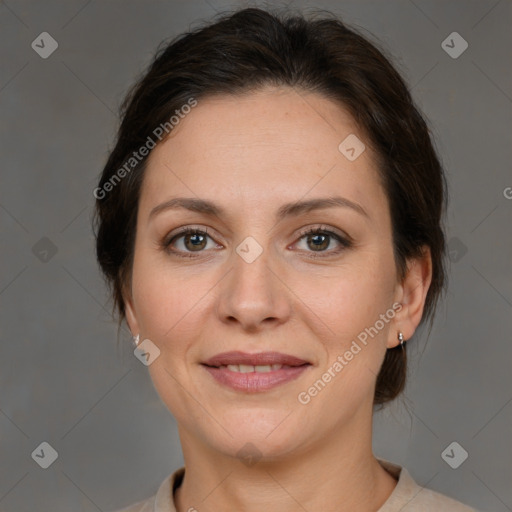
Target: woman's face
256, 282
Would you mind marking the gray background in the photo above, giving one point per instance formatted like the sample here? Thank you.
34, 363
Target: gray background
63, 380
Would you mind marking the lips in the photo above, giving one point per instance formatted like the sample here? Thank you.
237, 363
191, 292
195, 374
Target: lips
252, 373
244, 359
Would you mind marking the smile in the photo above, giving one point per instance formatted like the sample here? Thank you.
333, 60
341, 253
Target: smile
254, 379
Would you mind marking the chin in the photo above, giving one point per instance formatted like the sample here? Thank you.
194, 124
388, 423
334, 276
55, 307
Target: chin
264, 433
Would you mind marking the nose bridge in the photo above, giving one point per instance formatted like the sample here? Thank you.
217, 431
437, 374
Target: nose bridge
252, 292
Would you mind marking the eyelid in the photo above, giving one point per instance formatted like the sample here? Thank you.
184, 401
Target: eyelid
300, 233
344, 239
327, 229
183, 230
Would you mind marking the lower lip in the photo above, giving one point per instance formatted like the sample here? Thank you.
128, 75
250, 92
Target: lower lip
254, 382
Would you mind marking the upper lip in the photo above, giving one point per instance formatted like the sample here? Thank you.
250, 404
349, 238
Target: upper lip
259, 359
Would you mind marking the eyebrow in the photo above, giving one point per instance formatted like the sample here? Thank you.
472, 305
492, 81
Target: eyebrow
287, 210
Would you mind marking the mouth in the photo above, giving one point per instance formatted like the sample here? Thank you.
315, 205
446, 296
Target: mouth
249, 368
254, 372
261, 359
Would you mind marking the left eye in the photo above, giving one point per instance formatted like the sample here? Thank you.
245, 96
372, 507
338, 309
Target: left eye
319, 240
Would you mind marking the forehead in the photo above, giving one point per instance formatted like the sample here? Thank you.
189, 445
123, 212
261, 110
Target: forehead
274, 143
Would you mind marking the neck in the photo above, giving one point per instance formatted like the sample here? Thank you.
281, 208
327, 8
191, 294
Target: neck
337, 473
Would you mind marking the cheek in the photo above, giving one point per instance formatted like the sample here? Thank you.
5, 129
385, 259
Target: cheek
355, 347
165, 296
352, 296
356, 304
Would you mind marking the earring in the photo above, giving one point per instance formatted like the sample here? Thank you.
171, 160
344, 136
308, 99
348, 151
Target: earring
401, 338
136, 340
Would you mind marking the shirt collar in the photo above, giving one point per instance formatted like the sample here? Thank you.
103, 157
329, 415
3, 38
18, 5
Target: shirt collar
404, 491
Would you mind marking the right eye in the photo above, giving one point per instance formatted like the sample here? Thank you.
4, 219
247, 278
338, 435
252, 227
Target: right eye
191, 240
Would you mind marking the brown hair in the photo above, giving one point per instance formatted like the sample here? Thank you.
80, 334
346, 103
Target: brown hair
251, 48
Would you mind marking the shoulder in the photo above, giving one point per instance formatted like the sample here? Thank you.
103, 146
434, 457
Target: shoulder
408, 496
426, 500
162, 501
439, 500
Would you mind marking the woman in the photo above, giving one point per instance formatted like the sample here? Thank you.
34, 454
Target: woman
270, 222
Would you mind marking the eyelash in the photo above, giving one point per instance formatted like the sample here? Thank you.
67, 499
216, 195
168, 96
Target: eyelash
345, 242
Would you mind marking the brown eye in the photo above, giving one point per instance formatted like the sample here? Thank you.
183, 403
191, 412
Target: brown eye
195, 241
318, 241
187, 241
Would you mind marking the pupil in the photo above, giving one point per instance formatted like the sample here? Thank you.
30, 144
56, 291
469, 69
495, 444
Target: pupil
198, 239
321, 244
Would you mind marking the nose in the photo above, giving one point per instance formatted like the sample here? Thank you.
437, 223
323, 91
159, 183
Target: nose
253, 294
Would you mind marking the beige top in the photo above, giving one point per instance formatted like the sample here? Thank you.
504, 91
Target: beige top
407, 496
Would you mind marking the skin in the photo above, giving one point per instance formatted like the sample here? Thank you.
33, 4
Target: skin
250, 155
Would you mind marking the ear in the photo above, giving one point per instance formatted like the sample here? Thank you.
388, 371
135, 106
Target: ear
411, 293
131, 316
